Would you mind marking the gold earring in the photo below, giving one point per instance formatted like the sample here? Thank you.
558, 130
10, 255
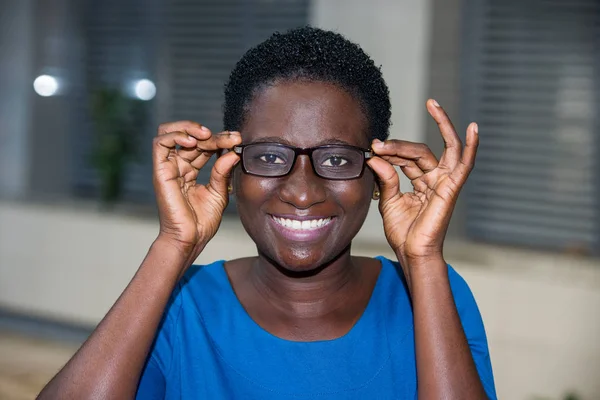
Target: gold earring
229, 189
376, 195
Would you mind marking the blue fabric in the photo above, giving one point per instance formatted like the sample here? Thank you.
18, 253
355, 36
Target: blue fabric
208, 347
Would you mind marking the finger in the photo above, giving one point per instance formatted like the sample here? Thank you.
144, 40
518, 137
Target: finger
192, 128
186, 170
202, 159
165, 145
467, 161
222, 140
389, 182
221, 172
408, 167
420, 153
452, 143
199, 155
189, 154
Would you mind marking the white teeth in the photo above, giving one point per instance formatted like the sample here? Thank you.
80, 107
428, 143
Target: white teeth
302, 225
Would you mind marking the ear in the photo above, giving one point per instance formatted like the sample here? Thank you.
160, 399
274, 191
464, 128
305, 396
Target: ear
234, 178
230, 185
376, 191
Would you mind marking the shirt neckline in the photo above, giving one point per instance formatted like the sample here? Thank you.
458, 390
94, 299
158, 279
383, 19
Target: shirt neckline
365, 319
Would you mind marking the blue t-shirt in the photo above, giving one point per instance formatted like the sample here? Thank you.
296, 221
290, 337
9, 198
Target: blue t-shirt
208, 347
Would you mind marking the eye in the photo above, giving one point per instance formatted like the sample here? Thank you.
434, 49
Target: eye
334, 161
271, 158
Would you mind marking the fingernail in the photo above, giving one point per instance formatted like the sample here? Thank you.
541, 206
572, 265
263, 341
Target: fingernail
435, 103
475, 128
235, 133
205, 129
378, 144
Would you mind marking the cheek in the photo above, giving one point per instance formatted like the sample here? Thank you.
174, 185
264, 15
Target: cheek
355, 196
254, 187
250, 192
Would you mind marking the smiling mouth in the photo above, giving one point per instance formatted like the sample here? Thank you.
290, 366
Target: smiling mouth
302, 225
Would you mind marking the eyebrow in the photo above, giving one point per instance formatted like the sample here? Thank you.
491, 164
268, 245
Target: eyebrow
277, 139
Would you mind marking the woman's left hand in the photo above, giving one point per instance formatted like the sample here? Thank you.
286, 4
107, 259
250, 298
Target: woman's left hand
415, 223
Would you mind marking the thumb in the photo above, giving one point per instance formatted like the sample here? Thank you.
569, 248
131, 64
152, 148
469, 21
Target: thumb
389, 182
221, 172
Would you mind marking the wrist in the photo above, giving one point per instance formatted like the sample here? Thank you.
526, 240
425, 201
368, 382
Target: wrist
170, 243
422, 267
174, 253
424, 262
421, 259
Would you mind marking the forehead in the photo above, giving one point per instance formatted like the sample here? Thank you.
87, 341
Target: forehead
305, 114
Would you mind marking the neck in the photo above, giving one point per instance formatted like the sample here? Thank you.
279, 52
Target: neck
310, 295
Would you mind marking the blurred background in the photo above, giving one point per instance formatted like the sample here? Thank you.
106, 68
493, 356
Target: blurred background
84, 83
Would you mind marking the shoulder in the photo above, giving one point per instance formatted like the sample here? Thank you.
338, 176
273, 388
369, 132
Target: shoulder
187, 301
463, 296
199, 275
198, 283
202, 282
459, 286
466, 306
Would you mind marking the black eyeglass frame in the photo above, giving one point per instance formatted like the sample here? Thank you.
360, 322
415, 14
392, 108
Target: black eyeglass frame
367, 154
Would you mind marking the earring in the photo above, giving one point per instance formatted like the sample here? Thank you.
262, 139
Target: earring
229, 189
376, 195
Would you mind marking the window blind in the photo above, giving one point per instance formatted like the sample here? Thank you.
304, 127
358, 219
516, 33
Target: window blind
531, 79
119, 47
189, 47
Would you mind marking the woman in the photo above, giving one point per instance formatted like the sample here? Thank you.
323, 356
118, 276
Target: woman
304, 318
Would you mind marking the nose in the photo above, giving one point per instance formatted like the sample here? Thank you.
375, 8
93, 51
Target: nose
302, 188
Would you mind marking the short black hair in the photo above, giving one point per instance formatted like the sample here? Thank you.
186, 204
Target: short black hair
312, 54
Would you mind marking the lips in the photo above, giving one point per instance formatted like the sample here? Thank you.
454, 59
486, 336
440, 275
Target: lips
305, 228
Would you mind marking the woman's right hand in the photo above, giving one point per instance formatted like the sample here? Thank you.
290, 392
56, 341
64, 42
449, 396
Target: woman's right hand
190, 213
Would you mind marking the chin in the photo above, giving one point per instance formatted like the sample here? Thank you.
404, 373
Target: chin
302, 261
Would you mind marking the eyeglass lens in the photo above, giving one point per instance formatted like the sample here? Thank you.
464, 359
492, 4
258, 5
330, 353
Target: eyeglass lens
331, 162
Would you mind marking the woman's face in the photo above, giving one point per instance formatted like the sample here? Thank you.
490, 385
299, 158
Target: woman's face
303, 114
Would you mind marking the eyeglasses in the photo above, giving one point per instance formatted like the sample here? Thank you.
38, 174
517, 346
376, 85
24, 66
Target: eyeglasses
336, 162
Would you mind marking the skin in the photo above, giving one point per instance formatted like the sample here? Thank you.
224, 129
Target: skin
295, 290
